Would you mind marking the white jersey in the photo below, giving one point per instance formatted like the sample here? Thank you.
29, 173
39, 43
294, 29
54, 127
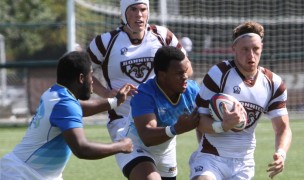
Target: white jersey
123, 62
266, 94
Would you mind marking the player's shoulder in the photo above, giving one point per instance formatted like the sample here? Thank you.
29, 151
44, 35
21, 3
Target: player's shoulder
62, 95
147, 87
157, 29
193, 86
270, 74
223, 66
146, 92
107, 36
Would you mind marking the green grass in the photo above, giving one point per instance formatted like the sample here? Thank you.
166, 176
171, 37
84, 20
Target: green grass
107, 169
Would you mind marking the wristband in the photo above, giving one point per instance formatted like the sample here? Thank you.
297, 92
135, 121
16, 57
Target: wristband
217, 127
112, 102
169, 132
172, 129
282, 153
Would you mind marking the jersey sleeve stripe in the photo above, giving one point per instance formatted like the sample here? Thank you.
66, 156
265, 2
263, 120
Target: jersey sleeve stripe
159, 37
201, 102
169, 36
277, 105
93, 57
100, 45
210, 84
280, 91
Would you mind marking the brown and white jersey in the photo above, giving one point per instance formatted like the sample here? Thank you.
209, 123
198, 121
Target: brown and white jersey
123, 62
265, 94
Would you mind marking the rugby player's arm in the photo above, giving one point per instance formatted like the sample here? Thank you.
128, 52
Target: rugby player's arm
83, 149
283, 134
100, 90
148, 131
94, 106
205, 124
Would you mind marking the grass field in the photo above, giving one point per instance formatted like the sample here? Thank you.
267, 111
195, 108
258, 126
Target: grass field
107, 169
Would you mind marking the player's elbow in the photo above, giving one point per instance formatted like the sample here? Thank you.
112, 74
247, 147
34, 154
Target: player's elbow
80, 154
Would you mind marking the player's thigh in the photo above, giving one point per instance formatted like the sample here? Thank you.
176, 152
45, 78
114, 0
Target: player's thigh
207, 167
203, 177
166, 163
144, 170
245, 169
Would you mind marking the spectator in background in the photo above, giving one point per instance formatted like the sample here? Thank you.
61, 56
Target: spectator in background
78, 47
186, 43
56, 130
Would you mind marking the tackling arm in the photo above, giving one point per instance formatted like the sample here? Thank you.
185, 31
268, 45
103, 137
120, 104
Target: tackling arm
91, 107
83, 149
102, 91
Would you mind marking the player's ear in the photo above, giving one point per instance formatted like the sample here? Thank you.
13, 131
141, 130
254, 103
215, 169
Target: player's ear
161, 74
81, 78
233, 48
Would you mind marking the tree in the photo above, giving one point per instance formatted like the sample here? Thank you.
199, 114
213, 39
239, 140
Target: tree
33, 29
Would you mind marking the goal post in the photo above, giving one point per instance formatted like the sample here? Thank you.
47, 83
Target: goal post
71, 26
209, 25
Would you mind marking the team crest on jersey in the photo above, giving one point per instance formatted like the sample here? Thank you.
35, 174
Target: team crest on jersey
123, 51
236, 90
254, 112
138, 69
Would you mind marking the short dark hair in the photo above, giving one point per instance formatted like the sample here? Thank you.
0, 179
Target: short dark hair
71, 65
164, 56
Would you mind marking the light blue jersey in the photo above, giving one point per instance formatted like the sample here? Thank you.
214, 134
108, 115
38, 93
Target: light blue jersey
43, 147
151, 99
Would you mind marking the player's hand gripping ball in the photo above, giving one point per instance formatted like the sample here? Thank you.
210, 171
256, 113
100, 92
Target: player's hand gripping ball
216, 109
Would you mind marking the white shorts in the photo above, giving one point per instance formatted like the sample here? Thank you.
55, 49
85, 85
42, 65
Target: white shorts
116, 127
166, 163
220, 167
11, 167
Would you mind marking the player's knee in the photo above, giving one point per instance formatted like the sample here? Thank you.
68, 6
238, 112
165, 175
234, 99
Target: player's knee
203, 177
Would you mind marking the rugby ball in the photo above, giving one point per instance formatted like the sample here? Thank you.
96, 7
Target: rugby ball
216, 109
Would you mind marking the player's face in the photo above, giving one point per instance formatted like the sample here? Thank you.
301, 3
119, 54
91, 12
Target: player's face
137, 16
248, 52
176, 77
87, 87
